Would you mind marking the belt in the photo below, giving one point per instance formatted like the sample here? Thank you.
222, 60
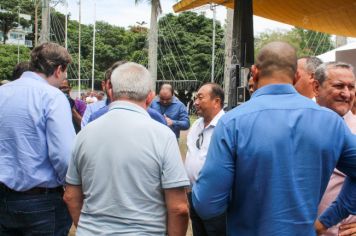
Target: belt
32, 191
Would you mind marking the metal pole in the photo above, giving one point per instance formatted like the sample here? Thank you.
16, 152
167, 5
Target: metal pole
79, 35
213, 8
36, 22
18, 39
93, 61
66, 26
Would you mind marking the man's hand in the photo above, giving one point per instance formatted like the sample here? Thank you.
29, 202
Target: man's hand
347, 229
319, 227
168, 120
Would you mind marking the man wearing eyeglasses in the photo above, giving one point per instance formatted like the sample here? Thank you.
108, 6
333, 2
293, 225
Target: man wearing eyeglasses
209, 103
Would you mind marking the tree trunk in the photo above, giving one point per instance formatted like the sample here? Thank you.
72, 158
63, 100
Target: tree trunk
228, 45
152, 43
45, 22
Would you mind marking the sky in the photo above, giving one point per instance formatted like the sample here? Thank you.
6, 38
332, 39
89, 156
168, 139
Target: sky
126, 13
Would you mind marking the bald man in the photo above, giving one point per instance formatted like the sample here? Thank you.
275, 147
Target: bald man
268, 164
172, 109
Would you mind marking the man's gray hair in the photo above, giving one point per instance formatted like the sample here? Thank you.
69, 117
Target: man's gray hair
131, 81
321, 73
311, 63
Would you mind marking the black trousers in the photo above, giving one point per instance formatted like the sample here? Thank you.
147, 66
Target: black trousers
213, 227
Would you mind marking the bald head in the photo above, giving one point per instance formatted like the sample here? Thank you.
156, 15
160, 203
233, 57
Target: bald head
277, 57
166, 93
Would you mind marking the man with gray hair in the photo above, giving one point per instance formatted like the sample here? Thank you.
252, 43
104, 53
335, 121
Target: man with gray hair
306, 69
335, 89
134, 183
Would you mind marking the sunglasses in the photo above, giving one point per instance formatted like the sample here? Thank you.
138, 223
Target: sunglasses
200, 140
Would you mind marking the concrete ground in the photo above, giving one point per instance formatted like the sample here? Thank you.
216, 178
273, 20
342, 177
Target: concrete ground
183, 150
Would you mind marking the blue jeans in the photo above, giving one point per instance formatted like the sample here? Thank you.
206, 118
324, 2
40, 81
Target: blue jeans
42, 214
212, 227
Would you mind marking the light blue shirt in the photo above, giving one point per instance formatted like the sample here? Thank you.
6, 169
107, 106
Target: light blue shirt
269, 163
36, 134
92, 108
123, 161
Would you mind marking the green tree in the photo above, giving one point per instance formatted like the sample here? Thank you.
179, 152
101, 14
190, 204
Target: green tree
9, 17
307, 42
185, 47
8, 59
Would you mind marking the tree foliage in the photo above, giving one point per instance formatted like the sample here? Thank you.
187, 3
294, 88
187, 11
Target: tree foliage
9, 17
184, 46
8, 59
307, 42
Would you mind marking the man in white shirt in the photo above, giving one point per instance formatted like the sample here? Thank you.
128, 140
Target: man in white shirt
209, 103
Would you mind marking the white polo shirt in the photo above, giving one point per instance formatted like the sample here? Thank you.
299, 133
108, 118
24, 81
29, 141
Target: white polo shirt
195, 158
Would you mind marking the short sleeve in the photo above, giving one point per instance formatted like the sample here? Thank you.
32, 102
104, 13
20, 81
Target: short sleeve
73, 175
173, 172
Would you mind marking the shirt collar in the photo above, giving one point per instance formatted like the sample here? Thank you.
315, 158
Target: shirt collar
33, 75
125, 105
274, 89
213, 122
216, 118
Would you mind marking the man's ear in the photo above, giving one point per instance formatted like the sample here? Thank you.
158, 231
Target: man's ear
296, 77
316, 87
254, 73
149, 98
57, 71
109, 91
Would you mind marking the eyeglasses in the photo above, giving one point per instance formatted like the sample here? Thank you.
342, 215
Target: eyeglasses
200, 140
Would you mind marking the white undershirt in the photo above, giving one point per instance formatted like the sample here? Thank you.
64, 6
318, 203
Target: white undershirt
195, 157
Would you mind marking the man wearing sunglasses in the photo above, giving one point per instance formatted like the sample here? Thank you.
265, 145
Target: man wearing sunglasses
209, 103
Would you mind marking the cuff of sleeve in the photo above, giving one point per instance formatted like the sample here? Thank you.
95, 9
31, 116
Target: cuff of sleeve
73, 181
176, 184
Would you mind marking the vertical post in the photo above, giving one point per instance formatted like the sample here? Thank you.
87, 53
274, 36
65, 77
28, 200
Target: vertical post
228, 44
66, 26
36, 22
18, 38
242, 45
213, 8
45, 22
79, 39
93, 61
153, 41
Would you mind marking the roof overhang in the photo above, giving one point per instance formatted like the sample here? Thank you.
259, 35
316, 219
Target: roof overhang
328, 16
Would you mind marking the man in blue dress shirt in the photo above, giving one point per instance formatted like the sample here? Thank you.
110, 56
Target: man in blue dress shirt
35, 144
172, 109
270, 159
